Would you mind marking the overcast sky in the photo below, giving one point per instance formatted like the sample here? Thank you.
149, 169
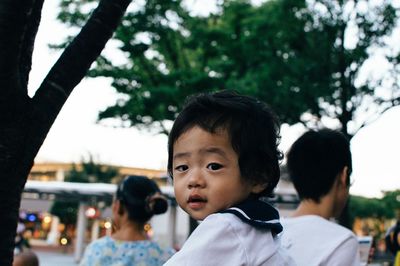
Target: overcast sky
75, 133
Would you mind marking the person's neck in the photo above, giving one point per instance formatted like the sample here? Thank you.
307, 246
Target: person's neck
309, 207
129, 231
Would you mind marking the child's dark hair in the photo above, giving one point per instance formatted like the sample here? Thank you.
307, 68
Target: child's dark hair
315, 160
141, 197
251, 125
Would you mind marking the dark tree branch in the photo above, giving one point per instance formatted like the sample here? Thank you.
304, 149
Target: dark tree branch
13, 19
14, 51
73, 65
75, 61
378, 115
31, 28
25, 121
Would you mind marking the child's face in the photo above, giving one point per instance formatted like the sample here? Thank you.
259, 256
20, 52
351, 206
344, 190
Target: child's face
206, 173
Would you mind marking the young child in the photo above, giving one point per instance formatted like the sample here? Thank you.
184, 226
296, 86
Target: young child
223, 157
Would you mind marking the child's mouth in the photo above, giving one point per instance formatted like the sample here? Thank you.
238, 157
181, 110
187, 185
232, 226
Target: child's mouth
196, 202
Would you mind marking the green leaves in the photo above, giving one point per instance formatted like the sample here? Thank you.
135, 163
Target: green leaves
387, 207
91, 172
86, 172
298, 56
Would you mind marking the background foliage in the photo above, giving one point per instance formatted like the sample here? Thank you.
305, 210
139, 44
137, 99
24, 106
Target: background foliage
86, 172
387, 207
304, 58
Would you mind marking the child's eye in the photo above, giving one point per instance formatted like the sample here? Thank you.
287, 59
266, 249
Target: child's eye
181, 168
214, 166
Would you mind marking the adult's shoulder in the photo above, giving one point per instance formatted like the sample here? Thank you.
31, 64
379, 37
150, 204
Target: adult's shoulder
315, 223
324, 240
162, 249
315, 229
101, 242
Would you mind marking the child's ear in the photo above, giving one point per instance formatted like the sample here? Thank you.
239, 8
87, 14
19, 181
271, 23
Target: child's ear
257, 188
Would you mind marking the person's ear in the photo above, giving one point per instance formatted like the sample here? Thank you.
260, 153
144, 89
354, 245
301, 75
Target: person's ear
343, 177
257, 188
117, 207
114, 206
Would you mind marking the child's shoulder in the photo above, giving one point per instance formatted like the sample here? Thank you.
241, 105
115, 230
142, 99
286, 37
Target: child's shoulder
220, 233
258, 214
217, 222
221, 220
233, 232
229, 224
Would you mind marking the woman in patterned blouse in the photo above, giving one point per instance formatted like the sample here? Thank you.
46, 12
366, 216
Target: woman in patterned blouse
137, 200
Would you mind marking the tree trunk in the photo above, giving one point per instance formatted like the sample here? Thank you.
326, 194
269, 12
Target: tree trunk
25, 122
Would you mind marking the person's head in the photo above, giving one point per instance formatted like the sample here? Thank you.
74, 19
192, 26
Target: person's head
26, 258
317, 161
222, 149
139, 198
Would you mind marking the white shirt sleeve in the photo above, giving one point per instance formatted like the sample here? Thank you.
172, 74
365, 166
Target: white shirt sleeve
345, 254
213, 243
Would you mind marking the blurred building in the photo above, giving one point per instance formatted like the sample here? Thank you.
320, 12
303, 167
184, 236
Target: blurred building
55, 171
46, 183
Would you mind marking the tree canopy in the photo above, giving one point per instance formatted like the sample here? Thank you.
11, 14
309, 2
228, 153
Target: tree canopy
387, 207
304, 58
91, 172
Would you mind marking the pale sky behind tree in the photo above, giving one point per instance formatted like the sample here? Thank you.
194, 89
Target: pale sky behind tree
75, 133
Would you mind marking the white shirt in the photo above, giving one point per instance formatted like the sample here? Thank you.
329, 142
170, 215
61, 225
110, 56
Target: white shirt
314, 241
223, 239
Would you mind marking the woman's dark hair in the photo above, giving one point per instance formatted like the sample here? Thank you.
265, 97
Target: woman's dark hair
141, 197
315, 160
252, 127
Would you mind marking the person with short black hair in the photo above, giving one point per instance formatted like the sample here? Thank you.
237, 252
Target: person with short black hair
137, 200
319, 165
223, 157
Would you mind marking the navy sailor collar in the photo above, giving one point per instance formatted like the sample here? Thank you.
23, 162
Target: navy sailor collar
257, 213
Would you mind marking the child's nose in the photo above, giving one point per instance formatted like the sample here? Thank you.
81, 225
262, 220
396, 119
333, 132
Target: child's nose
196, 179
